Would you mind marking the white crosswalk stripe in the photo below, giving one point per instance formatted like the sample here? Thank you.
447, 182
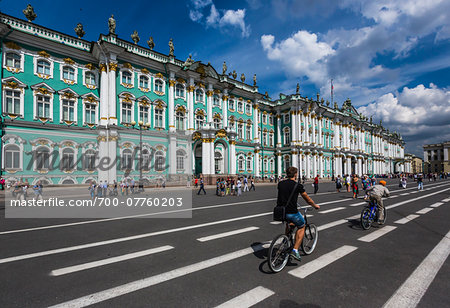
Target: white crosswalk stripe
332, 210
322, 261
425, 210
248, 299
446, 200
376, 234
412, 290
437, 204
406, 219
226, 234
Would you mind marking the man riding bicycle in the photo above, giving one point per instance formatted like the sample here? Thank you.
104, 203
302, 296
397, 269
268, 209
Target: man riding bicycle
376, 193
285, 189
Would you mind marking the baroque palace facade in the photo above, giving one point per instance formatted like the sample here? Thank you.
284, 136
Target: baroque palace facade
75, 111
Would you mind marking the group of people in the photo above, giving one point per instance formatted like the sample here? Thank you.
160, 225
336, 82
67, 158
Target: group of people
351, 182
19, 189
125, 187
231, 186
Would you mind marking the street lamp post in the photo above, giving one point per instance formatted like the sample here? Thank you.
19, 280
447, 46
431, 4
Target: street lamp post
141, 126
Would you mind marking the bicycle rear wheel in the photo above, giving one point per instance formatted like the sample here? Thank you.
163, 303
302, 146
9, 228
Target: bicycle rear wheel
310, 239
279, 253
366, 218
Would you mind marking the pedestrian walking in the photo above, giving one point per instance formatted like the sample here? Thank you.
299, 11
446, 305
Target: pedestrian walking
420, 182
338, 183
355, 187
245, 184
239, 187
316, 184
252, 181
202, 187
37, 189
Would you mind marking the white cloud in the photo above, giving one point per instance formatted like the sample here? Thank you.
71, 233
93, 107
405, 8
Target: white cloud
229, 19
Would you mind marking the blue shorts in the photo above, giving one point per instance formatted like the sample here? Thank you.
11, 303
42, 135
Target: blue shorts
297, 219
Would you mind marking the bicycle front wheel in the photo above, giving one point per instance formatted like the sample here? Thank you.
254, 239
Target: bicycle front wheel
310, 239
279, 253
365, 218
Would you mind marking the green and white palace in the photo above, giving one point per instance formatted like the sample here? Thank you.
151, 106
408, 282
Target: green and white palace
74, 111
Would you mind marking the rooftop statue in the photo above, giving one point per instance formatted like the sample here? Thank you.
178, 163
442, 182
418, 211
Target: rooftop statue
242, 77
171, 48
189, 61
150, 43
234, 74
135, 37
297, 90
254, 80
79, 30
335, 105
112, 25
224, 68
29, 13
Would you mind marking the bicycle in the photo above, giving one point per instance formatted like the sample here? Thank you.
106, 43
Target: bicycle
369, 214
282, 244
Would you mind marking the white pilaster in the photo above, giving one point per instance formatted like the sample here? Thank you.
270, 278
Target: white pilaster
112, 115
279, 171
103, 107
171, 106
232, 163
191, 104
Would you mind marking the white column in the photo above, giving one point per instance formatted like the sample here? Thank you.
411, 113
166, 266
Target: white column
300, 121
205, 156
171, 106
294, 128
321, 165
232, 164
313, 131
279, 165
112, 145
112, 116
320, 124
278, 130
209, 104
307, 140
336, 134
257, 159
294, 159
225, 108
308, 165
349, 165
256, 123
360, 170
191, 104
172, 154
103, 107
212, 168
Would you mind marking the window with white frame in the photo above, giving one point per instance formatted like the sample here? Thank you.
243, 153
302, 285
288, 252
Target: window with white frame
240, 131
217, 123
68, 110
218, 159
90, 113
43, 106
232, 124
286, 118
42, 158
145, 160
240, 107
127, 109
264, 138
199, 120
179, 120
126, 77
231, 104
248, 132
271, 140
12, 101
89, 160
159, 117
160, 161
68, 73
249, 163
199, 95
270, 119
264, 118
216, 101
12, 157
287, 136
248, 109
180, 160
271, 165
179, 90
127, 159
143, 82
159, 86
265, 166
13, 60
287, 163
144, 114
43, 67
89, 79
68, 159
241, 163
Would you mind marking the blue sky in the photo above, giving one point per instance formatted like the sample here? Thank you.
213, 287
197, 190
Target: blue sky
390, 57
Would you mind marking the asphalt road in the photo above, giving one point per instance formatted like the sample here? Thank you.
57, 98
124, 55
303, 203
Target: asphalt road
175, 263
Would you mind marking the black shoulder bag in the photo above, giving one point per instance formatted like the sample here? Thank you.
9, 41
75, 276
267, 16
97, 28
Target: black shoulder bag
279, 212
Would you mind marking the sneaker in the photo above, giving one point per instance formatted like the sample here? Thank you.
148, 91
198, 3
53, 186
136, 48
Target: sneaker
296, 255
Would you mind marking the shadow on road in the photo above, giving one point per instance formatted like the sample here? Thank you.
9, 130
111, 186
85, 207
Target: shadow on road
287, 303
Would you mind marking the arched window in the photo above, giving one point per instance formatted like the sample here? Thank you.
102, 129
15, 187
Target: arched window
241, 163
271, 165
265, 166
158, 86
240, 131
68, 182
43, 67
145, 160
199, 95
159, 117
232, 123
89, 160
89, 79
218, 160
264, 118
179, 90
217, 123
68, 159
160, 161
287, 136
216, 101
179, 120
126, 77
68, 73
270, 139
248, 132
12, 98
248, 109
180, 160
231, 104
199, 120
127, 159
249, 164
42, 158
240, 107
265, 139
12, 157
143, 82
13, 60
68, 110
287, 163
